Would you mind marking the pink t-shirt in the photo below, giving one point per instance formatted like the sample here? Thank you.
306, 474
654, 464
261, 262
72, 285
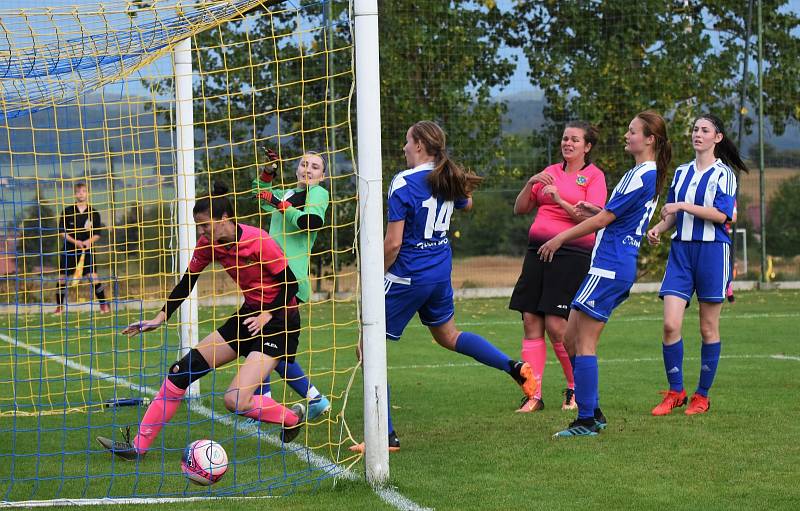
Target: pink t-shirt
588, 184
252, 262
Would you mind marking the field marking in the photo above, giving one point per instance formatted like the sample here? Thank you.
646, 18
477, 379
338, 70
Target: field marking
387, 494
785, 357
116, 502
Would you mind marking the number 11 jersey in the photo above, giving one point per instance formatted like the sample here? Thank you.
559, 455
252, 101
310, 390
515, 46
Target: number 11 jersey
425, 256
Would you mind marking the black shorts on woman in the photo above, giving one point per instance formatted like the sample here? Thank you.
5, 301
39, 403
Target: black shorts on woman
278, 339
548, 288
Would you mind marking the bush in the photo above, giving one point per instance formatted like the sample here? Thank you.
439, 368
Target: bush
783, 221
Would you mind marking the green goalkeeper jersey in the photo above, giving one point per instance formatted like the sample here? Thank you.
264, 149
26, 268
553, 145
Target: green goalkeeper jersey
296, 228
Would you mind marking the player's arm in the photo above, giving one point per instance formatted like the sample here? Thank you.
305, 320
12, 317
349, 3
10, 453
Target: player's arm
526, 201
312, 217
666, 223
286, 282
96, 221
588, 226
179, 293
62, 225
709, 213
392, 243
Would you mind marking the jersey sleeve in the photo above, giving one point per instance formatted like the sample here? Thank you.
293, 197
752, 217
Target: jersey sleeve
461, 203
535, 189
725, 198
259, 185
317, 201
597, 192
399, 202
632, 195
201, 257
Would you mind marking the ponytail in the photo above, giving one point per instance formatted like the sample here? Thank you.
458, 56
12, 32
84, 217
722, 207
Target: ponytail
655, 126
216, 204
448, 180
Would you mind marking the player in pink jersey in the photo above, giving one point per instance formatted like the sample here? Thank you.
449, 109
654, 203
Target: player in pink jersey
264, 330
544, 290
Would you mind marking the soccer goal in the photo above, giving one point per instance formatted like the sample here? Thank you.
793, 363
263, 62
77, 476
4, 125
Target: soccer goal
115, 118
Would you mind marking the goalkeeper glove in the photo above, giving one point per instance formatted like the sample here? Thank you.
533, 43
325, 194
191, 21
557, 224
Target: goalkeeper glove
269, 170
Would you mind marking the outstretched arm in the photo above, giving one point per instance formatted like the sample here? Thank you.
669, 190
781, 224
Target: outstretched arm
179, 293
588, 226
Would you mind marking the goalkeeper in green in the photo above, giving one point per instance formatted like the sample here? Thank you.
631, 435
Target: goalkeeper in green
297, 214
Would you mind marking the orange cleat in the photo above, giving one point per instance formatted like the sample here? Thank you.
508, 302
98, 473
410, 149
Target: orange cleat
530, 405
394, 444
698, 404
672, 399
523, 375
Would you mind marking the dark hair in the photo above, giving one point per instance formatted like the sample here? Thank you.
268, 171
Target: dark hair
654, 126
79, 184
216, 204
725, 149
590, 136
448, 179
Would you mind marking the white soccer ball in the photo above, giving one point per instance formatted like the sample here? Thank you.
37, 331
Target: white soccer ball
204, 462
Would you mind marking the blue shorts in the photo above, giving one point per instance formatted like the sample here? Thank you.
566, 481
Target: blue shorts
433, 302
702, 267
599, 296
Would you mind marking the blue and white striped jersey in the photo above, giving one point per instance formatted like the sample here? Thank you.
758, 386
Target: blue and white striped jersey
425, 256
632, 202
714, 187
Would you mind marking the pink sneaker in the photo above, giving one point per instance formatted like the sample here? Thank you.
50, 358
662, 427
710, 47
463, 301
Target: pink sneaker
105, 308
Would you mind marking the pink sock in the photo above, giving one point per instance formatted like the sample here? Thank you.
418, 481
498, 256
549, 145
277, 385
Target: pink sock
159, 412
566, 365
266, 409
534, 352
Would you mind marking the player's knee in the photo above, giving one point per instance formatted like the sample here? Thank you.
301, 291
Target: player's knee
190, 368
709, 331
672, 328
556, 328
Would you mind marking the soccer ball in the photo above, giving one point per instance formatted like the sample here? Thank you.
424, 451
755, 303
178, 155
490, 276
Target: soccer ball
204, 462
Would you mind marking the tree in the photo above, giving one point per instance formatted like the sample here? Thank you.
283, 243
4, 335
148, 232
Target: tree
783, 222
605, 61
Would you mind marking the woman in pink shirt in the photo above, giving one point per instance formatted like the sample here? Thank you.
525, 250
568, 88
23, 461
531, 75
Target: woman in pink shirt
264, 330
544, 290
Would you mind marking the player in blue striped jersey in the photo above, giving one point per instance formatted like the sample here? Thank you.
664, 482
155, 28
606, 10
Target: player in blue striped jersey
418, 258
622, 224
701, 200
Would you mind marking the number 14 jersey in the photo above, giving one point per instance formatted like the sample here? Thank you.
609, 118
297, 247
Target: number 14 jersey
425, 255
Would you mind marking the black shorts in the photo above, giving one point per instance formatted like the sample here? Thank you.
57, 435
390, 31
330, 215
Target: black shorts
278, 339
548, 288
69, 261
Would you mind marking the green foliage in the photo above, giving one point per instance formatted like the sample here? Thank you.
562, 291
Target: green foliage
40, 241
440, 61
783, 221
606, 61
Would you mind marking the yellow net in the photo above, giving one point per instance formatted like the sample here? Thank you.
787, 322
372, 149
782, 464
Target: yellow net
88, 130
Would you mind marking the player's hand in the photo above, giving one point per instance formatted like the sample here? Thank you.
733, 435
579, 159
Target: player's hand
79, 244
87, 243
548, 250
654, 236
586, 209
670, 209
270, 168
141, 327
265, 195
542, 177
254, 324
552, 191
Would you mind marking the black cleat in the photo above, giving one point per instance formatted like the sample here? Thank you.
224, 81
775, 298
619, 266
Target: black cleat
600, 419
124, 449
290, 433
394, 442
580, 427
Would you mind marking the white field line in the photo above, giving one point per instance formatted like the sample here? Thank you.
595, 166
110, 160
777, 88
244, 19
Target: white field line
116, 502
388, 495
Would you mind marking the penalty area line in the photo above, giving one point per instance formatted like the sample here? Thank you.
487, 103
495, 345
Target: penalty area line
387, 494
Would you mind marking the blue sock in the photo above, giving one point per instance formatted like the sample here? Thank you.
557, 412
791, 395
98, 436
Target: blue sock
586, 379
709, 359
482, 350
389, 408
673, 364
295, 377
264, 388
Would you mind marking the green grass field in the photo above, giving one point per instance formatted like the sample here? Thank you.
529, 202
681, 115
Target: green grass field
463, 447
